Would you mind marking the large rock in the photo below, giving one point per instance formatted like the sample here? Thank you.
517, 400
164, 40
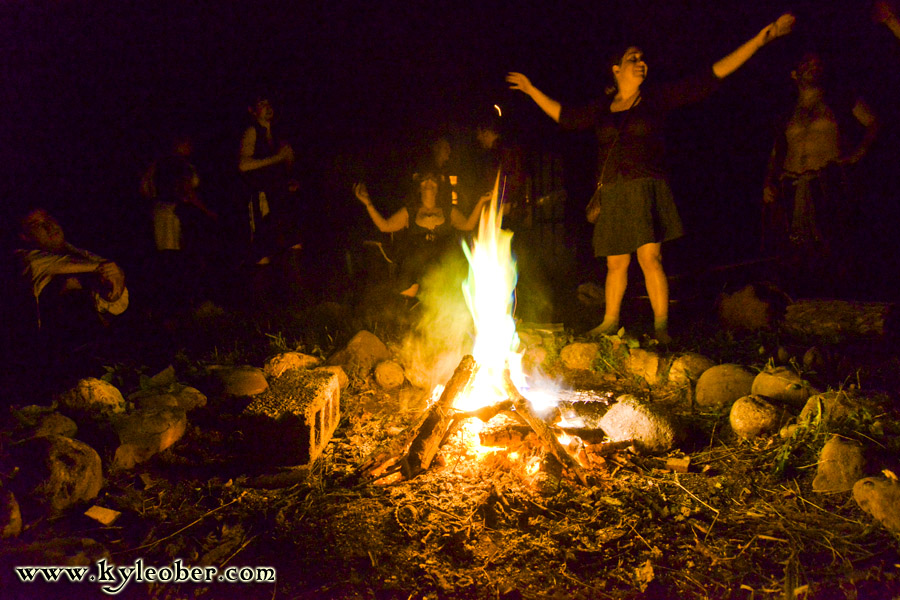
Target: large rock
880, 498
783, 384
286, 361
389, 375
37, 421
687, 368
240, 382
360, 354
841, 465
94, 396
58, 471
631, 420
753, 415
834, 406
174, 395
579, 355
719, 386
644, 364
146, 432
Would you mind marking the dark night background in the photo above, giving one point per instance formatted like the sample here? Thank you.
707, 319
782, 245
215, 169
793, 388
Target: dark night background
92, 90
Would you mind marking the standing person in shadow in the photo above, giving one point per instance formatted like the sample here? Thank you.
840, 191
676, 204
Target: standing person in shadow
636, 211
266, 164
809, 207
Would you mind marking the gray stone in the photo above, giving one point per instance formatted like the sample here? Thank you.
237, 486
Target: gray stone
173, 395
834, 405
687, 368
841, 465
534, 358
147, 432
754, 415
55, 424
240, 382
389, 375
360, 354
58, 472
579, 356
286, 361
783, 384
644, 364
631, 420
880, 498
719, 386
94, 396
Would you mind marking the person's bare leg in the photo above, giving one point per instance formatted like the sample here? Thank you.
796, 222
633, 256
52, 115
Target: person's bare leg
616, 282
650, 259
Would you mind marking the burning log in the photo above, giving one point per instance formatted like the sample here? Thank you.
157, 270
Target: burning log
433, 430
542, 430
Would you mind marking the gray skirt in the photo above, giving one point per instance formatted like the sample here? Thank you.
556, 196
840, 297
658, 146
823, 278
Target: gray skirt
634, 213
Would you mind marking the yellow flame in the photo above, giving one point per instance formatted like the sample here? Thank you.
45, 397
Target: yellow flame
488, 291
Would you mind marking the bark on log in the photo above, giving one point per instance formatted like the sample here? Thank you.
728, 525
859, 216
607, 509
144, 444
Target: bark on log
543, 431
841, 319
427, 442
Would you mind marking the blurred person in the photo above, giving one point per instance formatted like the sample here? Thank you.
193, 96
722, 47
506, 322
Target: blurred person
809, 206
431, 225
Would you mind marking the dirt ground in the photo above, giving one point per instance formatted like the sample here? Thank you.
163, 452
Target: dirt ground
741, 523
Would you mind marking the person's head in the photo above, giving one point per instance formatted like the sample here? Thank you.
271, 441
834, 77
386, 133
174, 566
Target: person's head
488, 128
39, 228
810, 71
627, 68
261, 109
428, 186
440, 151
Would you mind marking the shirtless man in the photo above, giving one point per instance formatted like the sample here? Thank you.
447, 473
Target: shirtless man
806, 206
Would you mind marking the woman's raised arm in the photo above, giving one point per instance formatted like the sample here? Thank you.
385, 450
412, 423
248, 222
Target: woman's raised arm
731, 63
519, 82
395, 222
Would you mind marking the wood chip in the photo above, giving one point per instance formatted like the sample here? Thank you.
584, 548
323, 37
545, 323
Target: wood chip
106, 516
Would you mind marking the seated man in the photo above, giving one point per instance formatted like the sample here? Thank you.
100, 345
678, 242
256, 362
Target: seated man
71, 287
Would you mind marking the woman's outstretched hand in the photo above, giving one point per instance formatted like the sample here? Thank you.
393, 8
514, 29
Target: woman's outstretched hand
519, 82
360, 191
781, 27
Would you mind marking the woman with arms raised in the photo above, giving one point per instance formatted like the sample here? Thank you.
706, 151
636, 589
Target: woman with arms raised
431, 227
637, 212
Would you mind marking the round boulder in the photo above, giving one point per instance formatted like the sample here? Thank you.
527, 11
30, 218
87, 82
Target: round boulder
58, 471
93, 396
687, 368
579, 355
754, 415
719, 386
389, 374
784, 385
631, 420
841, 465
287, 361
880, 498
